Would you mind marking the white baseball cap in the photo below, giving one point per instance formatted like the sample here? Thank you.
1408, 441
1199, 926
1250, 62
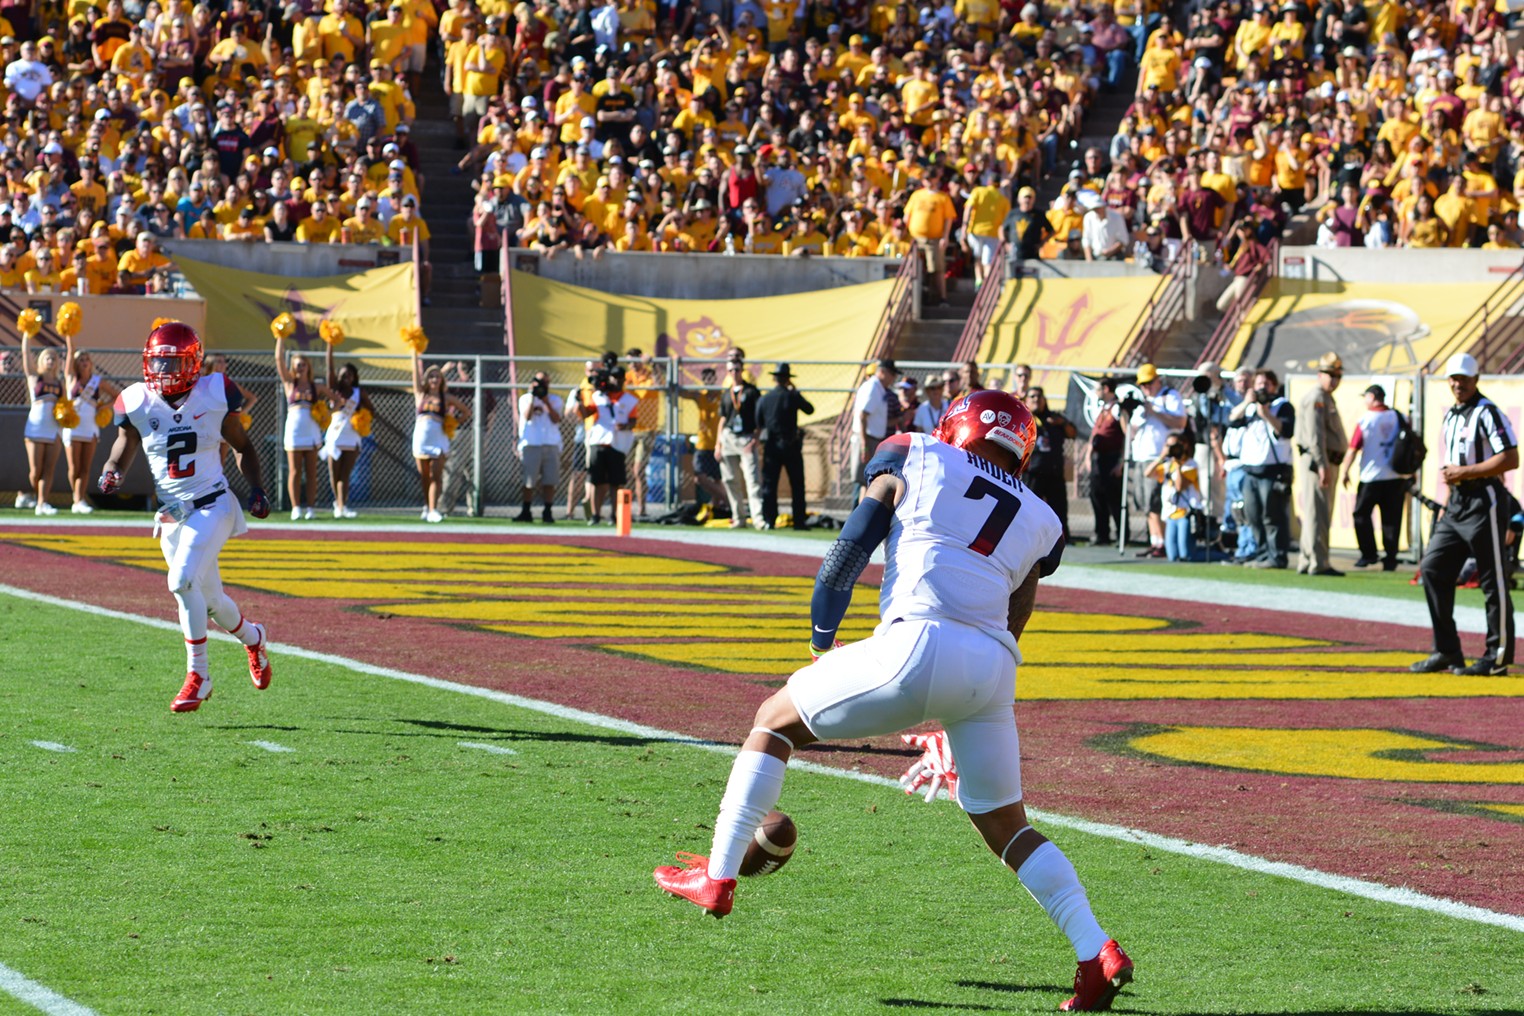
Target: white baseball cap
1461, 363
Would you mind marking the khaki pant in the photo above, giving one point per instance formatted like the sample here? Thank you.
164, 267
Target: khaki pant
1234, 290
1313, 503
737, 463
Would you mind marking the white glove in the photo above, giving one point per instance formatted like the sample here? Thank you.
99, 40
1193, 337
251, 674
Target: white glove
934, 770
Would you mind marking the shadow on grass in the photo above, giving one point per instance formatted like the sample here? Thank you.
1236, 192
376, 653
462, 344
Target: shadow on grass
917, 1003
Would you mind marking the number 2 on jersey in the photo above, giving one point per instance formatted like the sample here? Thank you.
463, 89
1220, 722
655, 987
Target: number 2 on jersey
1007, 505
184, 443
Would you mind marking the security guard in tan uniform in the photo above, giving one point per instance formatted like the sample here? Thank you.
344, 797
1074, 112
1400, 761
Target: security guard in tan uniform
1321, 444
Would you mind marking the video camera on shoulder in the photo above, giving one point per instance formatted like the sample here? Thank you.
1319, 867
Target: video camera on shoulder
1129, 398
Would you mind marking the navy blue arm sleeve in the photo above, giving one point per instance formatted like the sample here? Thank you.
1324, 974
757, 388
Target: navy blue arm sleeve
865, 529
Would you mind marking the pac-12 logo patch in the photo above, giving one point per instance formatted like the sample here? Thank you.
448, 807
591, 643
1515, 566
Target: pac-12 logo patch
988, 416
1005, 419
153, 423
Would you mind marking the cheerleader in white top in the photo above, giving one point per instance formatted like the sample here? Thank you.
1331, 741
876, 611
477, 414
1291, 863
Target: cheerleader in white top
303, 434
431, 437
92, 396
44, 387
350, 422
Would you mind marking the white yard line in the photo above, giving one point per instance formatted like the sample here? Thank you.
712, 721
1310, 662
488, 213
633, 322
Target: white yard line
52, 746
1324, 880
270, 746
39, 997
495, 749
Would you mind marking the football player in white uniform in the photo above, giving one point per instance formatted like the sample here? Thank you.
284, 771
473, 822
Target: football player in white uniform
966, 544
180, 419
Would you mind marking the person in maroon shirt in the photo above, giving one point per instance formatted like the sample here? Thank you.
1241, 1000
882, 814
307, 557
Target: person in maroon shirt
741, 183
1248, 258
1198, 212
1106, 445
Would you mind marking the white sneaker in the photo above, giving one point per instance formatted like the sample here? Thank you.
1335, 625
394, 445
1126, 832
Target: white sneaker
296, 515
43, 508
309, 513
350, 513
338, 512
25, 501
423, 516
433, 517
82, 508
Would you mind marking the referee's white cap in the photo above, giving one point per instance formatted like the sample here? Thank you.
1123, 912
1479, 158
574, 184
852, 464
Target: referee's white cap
1461, 363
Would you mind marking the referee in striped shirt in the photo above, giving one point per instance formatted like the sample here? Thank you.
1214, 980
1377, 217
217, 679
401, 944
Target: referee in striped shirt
1479, 449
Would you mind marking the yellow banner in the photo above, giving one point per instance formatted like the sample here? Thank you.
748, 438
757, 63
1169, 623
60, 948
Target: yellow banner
1374, 328
1062, 322
371, 306
571, 322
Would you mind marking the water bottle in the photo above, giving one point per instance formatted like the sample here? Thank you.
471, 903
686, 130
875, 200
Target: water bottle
730, 244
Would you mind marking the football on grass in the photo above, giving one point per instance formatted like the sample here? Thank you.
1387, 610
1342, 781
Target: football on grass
771, 847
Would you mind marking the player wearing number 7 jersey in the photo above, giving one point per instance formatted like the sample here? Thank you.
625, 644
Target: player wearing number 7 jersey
180, 419
965, 544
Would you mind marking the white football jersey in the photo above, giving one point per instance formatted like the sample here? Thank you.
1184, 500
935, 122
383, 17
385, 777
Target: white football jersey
183, 443
963, 538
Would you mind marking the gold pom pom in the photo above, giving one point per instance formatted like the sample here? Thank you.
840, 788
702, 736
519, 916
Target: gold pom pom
283, 327
414, 339
362, 421
29, 323
451, 425
103, 415
245, 418
321, 414
65, 413
331, 332
70, 317
160, 322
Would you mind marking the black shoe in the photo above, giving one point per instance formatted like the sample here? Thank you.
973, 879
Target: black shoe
1481, 668
524, 515
1150, 552
1438, 663
546, 516
1365, 562
1332, 572
1390, 564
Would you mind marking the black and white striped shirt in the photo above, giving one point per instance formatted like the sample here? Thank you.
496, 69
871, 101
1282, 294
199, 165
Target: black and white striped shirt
1475, 431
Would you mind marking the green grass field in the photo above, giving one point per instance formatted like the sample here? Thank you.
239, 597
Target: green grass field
167, 865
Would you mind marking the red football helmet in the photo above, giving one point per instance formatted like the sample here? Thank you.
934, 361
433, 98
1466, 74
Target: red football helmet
997, 417
172, 358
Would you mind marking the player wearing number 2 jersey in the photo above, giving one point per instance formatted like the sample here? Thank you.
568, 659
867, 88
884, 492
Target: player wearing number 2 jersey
965, 544
180, 420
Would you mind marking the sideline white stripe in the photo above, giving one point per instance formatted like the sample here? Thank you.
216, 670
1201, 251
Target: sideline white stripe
495, 749
270, 746
52, 746
1323, 880
44, 999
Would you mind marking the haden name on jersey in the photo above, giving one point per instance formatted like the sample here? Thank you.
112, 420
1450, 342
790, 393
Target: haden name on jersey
986, 466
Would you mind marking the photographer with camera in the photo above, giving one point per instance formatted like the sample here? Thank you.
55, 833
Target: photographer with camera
609, 416
1180, 479
1321, 446
539, 444
1150, 421
1268, 421
739, 459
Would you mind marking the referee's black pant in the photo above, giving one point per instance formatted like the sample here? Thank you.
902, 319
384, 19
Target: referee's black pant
1472, 526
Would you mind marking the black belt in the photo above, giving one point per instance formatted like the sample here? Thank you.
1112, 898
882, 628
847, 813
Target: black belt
206, 499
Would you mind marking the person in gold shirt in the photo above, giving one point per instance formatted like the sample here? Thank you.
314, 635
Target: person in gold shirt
142, 268
363, 226
319, 227
401, 231
929, 218
1423, 228
244, 228
984, 215
45, 277
1455, 211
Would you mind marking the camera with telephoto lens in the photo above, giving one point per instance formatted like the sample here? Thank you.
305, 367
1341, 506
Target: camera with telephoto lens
608, 380
1263, 397
540, 388
1129, 398
1176, 450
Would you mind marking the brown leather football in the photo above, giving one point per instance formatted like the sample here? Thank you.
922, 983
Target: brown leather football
771, 847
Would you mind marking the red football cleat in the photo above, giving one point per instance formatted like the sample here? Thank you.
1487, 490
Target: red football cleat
197, 690
1097, 981
259, 663
692, 883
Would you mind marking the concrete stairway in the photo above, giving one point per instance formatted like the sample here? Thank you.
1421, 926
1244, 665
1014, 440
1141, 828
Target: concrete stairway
455, 322
934, 336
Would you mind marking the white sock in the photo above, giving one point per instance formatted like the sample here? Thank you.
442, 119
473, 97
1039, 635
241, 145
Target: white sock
247, 632
195, 655
756, 781
1051, 879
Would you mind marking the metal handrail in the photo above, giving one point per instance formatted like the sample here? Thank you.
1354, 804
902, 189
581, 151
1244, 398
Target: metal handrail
1475, 333
1238, 310
983, 311
897, 311
1165, 306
